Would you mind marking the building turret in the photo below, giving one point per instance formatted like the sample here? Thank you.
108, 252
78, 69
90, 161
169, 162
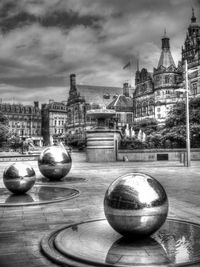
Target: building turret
191, 49
166, 58
193, 18
72, 81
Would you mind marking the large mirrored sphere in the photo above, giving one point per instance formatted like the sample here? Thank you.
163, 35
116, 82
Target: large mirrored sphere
19, 178
54, 163
136, 204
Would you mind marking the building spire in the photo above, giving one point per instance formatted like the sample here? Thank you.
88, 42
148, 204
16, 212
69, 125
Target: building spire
165, 32
193, 18
166, 59
138, 63
165, 41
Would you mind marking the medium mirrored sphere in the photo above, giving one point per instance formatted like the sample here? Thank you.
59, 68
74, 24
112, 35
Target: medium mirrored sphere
54, 163
19, 178
136, 204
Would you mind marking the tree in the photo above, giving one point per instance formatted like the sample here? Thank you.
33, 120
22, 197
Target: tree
175, 125
4, 128
147, 125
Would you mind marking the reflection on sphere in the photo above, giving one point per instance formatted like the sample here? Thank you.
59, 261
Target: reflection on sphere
54, 163
136, 204
141, 252
19, 178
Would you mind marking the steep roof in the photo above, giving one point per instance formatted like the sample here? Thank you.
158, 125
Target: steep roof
166, 59
122, 103
101, 95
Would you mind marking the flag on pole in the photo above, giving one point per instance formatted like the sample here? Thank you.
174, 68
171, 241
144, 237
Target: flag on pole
127, 65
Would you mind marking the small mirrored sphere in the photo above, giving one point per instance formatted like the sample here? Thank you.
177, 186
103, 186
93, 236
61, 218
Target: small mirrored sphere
136, 204
54, 163
19, 178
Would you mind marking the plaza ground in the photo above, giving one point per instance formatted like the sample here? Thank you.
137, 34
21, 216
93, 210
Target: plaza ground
22, 227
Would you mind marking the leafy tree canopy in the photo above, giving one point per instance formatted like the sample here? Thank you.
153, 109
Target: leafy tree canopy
4, 127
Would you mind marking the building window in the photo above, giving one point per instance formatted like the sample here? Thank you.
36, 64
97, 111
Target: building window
194, 88
158, 92
167, 79
138, 111
144, 109
151, 109
158, 109
129, 118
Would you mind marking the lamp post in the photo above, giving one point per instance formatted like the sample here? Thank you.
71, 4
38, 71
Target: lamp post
188, 161
188, 157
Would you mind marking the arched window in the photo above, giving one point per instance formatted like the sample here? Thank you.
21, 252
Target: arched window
151, 108
167, 79
138, 110
144, 109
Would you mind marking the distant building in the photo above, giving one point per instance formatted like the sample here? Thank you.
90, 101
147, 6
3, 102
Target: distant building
24, 120
82, 98
123, 105
54, 118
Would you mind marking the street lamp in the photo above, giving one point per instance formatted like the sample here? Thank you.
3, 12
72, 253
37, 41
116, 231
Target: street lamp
188, 161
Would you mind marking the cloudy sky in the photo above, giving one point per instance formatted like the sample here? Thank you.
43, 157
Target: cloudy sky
43, 41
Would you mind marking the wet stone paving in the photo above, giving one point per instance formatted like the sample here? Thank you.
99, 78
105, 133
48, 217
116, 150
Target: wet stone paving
22, 227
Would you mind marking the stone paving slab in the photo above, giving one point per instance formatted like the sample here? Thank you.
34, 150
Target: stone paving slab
21, 228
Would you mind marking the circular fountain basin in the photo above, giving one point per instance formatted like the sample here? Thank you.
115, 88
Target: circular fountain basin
37, 195
95, 243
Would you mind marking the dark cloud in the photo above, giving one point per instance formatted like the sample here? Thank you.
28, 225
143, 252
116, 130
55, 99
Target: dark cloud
13, 17
46, 40
36, 81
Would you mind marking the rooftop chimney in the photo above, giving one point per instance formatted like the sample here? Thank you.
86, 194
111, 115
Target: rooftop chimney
126, 89
36, 104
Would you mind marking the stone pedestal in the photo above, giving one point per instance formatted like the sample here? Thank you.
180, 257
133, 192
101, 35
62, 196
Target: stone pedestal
102, 145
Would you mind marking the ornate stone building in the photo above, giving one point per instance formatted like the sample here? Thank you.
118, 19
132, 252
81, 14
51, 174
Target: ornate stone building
156, 92
191, 53
54, 119
24, 120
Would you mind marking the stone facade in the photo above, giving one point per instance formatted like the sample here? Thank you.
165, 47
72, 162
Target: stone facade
24, 120
156, 92
191, 53
54, 120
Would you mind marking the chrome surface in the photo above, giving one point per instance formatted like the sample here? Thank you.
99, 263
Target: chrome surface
19, 178
136, 205
95, 243
54, 163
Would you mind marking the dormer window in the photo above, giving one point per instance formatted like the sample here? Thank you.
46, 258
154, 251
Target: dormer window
106, 96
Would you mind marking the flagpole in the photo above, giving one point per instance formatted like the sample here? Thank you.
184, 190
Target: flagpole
130, 69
